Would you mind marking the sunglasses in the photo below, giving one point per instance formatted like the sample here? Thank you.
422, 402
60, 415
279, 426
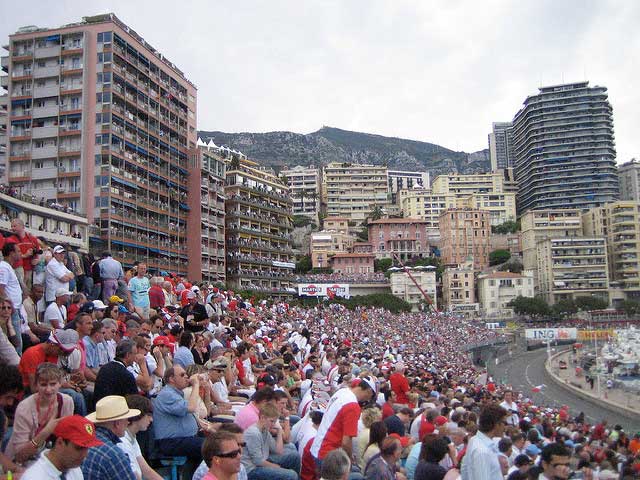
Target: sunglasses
6, 307
231, 454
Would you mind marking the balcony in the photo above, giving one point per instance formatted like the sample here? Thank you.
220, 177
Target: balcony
49, 51
4, 61
47, 111
4, 81
20, 73
42, 173
44, 132
52, 71
48, 91
48, 151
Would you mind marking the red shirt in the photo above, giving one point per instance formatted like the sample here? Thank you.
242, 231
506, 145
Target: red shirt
387, 410
156, 297
340, 420
308, 469
31, 358
240, 368
400, 385
26, 243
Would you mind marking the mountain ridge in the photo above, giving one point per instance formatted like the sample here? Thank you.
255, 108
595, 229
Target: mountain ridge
284, 149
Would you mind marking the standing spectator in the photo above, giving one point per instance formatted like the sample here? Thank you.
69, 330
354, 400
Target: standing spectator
10, 288
397, 423
28, 246
156, 293
194, 314
555, 461
74, 435
169, 296
108, 461
481, 459
58, 275
400, 384
114, 378
431, 454
511, 407
76, 267
138, 292
110, 272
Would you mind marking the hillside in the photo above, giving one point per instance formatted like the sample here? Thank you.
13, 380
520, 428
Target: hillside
287, 149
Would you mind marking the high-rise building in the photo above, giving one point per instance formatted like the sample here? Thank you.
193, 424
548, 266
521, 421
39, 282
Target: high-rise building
569, 268
354, 191
465, 234
207, 215
464, 185
400, 180
619, 223
102, 122
3, 131
258, 229
501, 145
629, 175
564, 149
304, 184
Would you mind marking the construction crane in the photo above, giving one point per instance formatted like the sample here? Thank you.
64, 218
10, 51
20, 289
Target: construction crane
415, 282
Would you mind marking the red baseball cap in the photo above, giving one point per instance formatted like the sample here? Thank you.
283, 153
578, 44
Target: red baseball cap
163, 340
77, 430
440, 420
404, 441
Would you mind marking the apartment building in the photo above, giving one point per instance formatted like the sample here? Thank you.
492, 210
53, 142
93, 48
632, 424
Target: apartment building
3, 131
257, 229
305, 187
353, 191
464, 234
538, 225
325, 244
338, 224
401, 180
207, 215
569, 268
423, 204
405, 237
497, 289
102, 122
352, 263
619, 223
465, 185
564, 149
403, 287
458, 286
629, 177
501, 145
501, 206
54, 225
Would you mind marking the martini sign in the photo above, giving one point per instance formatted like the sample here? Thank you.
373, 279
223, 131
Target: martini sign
330, 290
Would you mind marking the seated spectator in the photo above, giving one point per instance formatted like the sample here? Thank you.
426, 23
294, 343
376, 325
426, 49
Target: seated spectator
129, 443
336, 466
369, 416
73, 436
261, 443
377, 434
174, 425
10, 387
209, 448
108, 461
432, 452
37, 415
398, 422
249, 414
183, 356
114, 378
383, 466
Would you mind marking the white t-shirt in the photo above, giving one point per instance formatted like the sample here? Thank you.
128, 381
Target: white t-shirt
56, 312
43, 469
512, 418
9, 280
55, 271
220, 387
129, 445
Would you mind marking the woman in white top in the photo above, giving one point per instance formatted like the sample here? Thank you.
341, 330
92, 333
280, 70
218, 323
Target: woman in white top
129, 444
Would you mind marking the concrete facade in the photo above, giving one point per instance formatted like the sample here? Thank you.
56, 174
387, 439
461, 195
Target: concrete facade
403, 287
465, 233
305, 187
501, 145
458, 285
327, 243
348, 263
405, 237
629, 175
497, 289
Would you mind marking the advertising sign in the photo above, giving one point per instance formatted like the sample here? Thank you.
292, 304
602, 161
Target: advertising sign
323, 290
544, 334
595, 334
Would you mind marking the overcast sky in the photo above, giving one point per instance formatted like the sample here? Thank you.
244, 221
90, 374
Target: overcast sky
434, 71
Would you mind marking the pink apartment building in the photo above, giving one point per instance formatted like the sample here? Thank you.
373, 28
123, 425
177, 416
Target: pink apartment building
406, 237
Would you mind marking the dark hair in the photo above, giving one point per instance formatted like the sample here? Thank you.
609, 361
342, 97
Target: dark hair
186, 339
377, 433
490, 416
242, 348
231, 428
10, 379
140, 403
554, 449
279, 395
435, 450
389, 446
406, 411
316, 417
96, 326
125, 347
265, 394
504, 444
8, 248
213, 444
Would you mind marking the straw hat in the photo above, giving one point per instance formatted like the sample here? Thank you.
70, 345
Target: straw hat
111, 408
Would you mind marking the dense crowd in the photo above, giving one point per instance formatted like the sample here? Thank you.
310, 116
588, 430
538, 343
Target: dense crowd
13, 192
144, 371
343, 277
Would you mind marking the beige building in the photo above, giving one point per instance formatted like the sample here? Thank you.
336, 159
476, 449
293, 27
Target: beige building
327, 243
629, 176
619, 222
3, 132
537, 225
501, 206
304, 183
497, 289
508, 241
463, 185
353, 191
458, 286
569, 268
403, 287
422, 203
338, 224
465, 233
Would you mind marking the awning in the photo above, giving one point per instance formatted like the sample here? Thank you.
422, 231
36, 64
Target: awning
130, 145
23, 101
154, 250
142, 150
53, 38
124, 182
126, 244
21, 122
184, 206
71, 115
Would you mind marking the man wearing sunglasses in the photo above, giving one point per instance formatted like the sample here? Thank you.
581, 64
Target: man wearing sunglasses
222, 453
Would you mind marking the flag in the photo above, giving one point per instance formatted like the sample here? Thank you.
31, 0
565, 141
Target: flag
537, 389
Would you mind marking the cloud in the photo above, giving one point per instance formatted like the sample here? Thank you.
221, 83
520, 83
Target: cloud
434, 71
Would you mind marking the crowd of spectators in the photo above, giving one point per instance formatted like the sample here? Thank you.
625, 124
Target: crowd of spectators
373, 277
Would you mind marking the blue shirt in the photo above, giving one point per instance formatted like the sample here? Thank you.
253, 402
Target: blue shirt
412, 461
139, 288
171, 418
107, 461
183, 357
110, 269
91, 351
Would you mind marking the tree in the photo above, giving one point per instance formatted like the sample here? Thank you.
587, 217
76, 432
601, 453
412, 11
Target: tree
631, 307
509, 226
382, 265
303, 265
376, 213
587, 304
363, 234
534, 307
513, 266
564, 307
302, 221
499, 256
235, 163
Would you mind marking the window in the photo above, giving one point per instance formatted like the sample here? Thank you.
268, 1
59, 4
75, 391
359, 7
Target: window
104, 37
42, 63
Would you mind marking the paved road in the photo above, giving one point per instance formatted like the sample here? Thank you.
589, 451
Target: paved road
526, 371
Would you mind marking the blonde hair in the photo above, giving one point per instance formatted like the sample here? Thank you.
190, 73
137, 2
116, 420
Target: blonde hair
370, 416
